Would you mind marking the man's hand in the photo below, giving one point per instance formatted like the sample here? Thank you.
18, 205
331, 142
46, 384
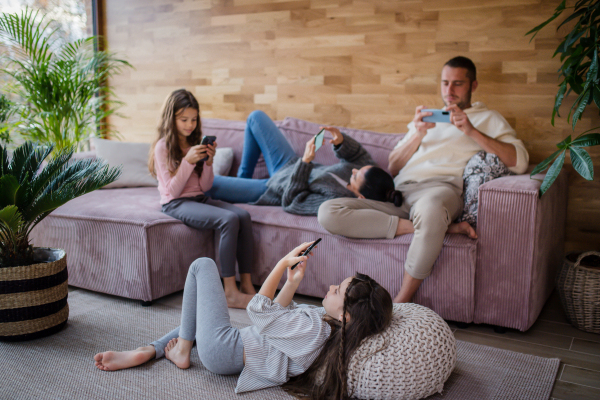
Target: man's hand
460, 119
309, 151
338, 138
421, 126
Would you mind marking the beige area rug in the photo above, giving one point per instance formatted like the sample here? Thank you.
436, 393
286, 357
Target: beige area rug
61, 366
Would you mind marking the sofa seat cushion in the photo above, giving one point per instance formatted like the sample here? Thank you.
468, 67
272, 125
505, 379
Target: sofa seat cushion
449, 291
119, 242
411, 359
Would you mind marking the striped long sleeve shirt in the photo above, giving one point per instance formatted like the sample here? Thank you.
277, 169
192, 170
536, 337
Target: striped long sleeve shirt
282, 342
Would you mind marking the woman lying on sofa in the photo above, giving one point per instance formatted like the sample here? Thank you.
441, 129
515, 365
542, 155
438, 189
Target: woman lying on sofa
297, 184
300, 186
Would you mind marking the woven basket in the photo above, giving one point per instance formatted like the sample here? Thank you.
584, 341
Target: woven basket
33, 298
579, 290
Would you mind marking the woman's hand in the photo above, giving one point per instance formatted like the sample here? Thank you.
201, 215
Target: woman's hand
309, 151
338, 138
195, 153
211, 150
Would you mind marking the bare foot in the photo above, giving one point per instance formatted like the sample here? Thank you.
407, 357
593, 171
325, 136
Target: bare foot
178, 350
115, 360
247, 289
236, 299
463, 228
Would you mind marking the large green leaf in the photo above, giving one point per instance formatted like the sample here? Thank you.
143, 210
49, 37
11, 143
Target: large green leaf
582, 162
552, 173
8, 190
544, 164
591, 139
557, 12
11, 218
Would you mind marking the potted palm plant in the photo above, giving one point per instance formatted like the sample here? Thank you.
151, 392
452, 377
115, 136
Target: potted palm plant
579, 279
33, 281
59, 88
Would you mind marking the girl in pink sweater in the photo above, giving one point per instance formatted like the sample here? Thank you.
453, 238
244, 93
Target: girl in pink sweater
176, 160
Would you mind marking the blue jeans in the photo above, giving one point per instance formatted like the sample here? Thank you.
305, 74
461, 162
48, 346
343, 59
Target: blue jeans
260, 137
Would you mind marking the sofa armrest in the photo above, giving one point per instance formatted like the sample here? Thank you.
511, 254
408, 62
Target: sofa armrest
520, 247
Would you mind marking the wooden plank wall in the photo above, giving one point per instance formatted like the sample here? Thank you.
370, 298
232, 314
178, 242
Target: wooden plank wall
356, 63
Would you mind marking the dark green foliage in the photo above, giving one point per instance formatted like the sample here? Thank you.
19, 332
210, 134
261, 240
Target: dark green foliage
580, 74
62, 86
28, 194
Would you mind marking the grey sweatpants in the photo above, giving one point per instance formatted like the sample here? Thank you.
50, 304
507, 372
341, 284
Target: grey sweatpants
204, 318
430, 206
233, 224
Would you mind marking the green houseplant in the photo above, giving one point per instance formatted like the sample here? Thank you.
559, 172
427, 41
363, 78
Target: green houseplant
579, 54
29, 191
64, 99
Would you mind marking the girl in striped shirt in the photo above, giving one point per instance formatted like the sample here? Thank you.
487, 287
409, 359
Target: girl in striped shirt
312, 345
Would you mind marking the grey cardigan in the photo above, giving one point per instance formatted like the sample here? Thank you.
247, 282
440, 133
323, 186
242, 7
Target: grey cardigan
300, 188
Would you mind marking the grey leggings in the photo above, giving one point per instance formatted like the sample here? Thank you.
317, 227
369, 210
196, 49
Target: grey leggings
204, 317
233, 224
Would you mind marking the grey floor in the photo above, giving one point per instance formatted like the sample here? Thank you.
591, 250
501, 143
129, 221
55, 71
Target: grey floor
551, 336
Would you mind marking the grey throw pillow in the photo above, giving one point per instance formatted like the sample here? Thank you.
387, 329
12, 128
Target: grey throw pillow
133, 157
481, 168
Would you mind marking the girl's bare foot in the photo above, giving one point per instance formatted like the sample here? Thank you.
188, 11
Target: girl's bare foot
246, 284
463, 228
237, 299
115, 360
247, 289
178, 350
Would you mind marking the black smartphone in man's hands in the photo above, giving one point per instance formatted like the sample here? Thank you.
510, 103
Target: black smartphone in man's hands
307, 251
208, 140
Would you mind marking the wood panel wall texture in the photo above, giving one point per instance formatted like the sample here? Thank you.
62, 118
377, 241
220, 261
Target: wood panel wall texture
355, 63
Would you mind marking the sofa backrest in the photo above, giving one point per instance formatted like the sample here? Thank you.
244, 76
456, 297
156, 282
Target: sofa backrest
297, 132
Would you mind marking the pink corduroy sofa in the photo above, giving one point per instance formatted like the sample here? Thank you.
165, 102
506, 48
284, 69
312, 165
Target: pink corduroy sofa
119, 242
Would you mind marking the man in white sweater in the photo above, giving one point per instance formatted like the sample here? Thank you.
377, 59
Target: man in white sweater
428, 164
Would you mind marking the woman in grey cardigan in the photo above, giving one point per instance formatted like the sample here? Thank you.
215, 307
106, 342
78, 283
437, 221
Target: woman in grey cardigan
296, 183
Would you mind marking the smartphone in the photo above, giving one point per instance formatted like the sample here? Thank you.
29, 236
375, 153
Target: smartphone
438, 116
319, 139
208, 140
307, 251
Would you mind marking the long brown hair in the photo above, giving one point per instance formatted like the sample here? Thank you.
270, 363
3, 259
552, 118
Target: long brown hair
370, 309
177, 102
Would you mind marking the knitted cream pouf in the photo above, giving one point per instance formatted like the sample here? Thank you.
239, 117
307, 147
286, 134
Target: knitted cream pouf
410, 360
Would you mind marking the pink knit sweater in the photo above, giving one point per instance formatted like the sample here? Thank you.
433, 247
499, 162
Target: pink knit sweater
185, 182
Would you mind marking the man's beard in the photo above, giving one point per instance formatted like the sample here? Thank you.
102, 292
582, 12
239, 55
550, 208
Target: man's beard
464, 103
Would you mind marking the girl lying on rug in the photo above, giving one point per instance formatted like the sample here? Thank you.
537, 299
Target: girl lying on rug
311, 344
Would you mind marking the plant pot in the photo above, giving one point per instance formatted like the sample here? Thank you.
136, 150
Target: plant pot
33, 298
579, 289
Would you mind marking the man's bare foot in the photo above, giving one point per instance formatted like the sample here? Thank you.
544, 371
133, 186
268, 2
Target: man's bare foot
178, 350
237, 299
115, 360
463, 228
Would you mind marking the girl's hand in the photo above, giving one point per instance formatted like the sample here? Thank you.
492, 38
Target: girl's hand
295, 275
211, 150
309, 151
338, 138
195, 154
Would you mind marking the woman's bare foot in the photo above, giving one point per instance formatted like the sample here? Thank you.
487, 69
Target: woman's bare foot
463, 228
237, 299
178, 350
115, 360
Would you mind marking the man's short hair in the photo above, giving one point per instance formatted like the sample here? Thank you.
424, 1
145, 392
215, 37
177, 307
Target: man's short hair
464, 62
